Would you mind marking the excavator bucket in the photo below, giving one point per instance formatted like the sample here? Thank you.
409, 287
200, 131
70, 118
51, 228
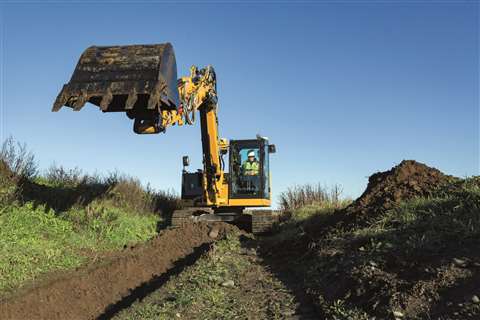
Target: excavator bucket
140, 80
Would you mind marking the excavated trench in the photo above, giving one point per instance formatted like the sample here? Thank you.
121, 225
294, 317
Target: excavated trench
101, 290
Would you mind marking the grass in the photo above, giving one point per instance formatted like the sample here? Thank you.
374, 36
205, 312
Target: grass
34, 241
197, 292
311, 196
357, 272
62, 218
298, 217
198, 289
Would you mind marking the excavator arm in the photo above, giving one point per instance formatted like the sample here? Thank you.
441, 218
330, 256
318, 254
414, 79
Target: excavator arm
141, 80
195, 91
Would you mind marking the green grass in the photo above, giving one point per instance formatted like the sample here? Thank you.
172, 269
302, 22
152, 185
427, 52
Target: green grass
197, 292
335, 256
34, 241
299, 220
298, 197
424, 226
61, 218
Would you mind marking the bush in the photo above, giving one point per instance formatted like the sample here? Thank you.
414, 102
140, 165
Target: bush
352, 270
48, 222
59, 176
308, 194
62, 189
8, 184
17, 165
127, 191
19, 160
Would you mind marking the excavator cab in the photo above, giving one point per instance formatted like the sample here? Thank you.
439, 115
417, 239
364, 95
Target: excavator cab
248, 177
249, 169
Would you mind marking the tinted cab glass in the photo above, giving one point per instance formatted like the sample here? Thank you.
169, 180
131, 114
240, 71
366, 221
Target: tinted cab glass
249, 169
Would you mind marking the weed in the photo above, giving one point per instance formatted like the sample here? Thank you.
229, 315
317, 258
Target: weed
36, 240
301, 196
19, 160
373, 268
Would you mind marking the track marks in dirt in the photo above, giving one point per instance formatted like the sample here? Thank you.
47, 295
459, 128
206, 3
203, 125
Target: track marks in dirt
198, 293
103, 289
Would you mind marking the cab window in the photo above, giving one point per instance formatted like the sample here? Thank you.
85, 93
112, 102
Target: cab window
246, 171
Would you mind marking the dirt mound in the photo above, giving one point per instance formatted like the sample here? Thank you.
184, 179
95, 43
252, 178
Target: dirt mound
364, 262
407, 180
97, 290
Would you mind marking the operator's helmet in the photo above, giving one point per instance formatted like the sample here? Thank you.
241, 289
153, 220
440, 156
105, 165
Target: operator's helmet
251, 153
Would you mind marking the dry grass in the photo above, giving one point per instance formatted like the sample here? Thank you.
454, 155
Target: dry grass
61, 188
316, 195
398, 261
19, 160
47, 220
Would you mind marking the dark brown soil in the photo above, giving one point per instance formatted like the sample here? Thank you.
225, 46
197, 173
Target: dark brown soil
100, 289
407, 180
373, 270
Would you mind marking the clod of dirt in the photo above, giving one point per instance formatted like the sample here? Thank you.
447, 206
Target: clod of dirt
228, 284
407, 180
397, 314
89, 292
214, 232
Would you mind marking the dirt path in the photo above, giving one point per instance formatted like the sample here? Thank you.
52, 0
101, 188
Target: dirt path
101, 290
231, 281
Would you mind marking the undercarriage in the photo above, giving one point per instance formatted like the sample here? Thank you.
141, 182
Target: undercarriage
255, 221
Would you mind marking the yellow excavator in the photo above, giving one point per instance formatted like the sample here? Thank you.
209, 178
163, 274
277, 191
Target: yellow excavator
141, 80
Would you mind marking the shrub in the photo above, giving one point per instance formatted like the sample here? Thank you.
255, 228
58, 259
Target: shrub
58, 175
19, 160
63, 189
128, 192
8, 184
301, 196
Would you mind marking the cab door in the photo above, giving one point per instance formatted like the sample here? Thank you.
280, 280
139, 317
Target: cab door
249, 172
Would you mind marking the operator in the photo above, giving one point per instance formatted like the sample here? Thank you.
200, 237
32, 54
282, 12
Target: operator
251, 166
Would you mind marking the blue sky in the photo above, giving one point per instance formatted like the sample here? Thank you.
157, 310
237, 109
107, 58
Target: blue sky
343, 89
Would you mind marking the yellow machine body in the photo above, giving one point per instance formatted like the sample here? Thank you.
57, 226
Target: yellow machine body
141, 81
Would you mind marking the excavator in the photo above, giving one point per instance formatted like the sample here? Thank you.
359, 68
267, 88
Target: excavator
141, 81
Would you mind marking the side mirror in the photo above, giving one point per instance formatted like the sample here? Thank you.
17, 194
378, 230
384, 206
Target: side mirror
186, 161
271, 148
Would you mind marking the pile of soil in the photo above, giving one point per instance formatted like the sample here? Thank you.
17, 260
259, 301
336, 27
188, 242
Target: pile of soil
405, 181
350, 264
99, 289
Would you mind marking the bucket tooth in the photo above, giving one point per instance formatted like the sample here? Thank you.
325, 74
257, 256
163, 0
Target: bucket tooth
81, 100
132, 98
106, 99
153, 100
61, 100
155, 95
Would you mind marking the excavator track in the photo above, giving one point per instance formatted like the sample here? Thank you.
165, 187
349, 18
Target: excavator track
263, 221
190, 215
181, 216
